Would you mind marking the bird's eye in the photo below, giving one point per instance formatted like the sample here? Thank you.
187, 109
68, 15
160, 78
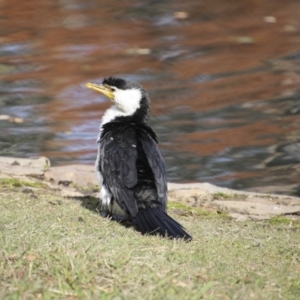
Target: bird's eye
112, 89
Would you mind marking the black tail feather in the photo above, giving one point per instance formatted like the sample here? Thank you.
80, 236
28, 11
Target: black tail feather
143, 224
156, 221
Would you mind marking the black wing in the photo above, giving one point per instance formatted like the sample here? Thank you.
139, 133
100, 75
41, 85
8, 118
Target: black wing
156, 164
118, 165
118, 157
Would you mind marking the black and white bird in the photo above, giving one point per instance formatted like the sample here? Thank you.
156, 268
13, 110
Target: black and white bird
129, 165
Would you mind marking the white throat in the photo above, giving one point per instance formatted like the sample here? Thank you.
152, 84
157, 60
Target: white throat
126, 104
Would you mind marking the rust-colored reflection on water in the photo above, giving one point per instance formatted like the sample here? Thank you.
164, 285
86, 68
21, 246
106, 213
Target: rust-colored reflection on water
223, 77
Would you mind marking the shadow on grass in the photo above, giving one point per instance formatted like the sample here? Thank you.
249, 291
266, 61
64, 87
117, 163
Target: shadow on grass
92, 204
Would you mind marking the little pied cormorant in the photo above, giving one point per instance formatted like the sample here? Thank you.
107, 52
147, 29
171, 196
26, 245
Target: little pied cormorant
129, 165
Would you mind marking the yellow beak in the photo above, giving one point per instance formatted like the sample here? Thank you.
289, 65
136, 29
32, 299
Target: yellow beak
100, 88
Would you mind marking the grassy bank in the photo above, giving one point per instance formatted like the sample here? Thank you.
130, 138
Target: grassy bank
57, 248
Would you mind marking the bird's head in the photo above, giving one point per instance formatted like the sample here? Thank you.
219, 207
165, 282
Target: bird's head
129, 96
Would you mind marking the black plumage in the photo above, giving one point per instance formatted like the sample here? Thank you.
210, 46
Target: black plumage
131, 166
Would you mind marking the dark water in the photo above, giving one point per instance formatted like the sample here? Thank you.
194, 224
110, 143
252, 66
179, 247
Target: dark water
223, 77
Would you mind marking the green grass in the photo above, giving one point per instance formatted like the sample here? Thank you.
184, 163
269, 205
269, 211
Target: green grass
282, 220
187, 210
220, 195
57, 248
13, 182
223, 196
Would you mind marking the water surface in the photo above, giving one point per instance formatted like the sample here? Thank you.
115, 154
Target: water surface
223, 77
